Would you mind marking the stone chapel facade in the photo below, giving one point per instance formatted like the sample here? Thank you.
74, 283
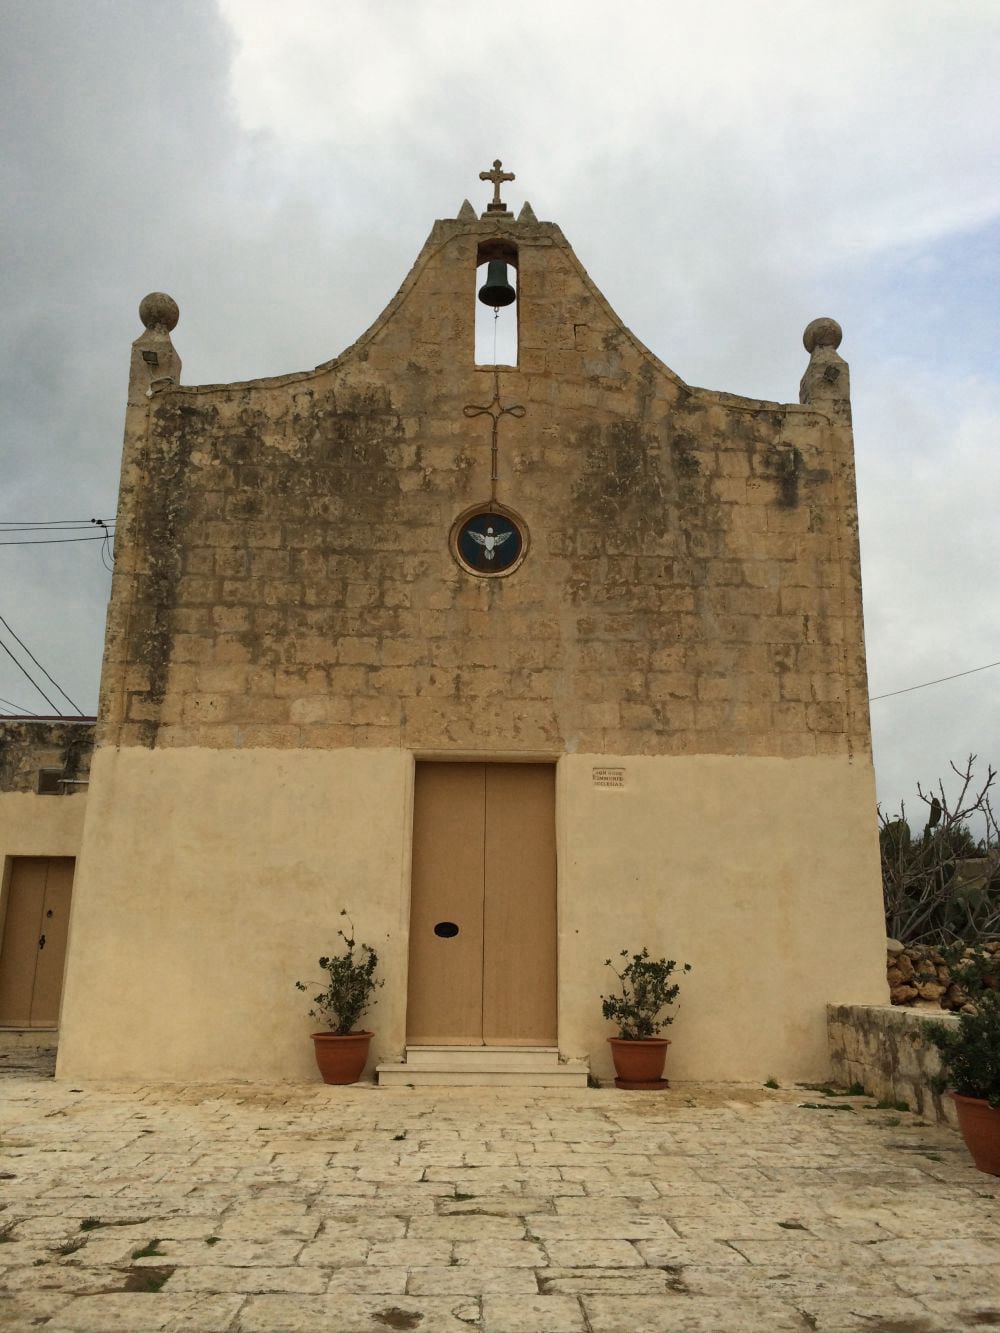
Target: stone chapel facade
645, 723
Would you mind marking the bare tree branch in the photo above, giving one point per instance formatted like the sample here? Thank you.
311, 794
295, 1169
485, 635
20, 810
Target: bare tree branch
942, 885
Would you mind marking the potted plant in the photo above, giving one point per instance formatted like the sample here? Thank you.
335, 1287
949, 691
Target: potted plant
646, 990
970, 1058
341, 1052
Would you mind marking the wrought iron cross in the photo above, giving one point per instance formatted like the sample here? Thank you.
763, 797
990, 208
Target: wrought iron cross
495, 411
497, 177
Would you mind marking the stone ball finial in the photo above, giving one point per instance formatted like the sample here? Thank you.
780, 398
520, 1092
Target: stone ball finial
823, 332
159, 311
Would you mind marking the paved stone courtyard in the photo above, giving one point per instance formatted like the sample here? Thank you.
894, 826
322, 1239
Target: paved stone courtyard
256, 1209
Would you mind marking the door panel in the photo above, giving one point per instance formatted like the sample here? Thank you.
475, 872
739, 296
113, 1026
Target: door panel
31, 972
519, 956
51, 959
21, 929
445, 1000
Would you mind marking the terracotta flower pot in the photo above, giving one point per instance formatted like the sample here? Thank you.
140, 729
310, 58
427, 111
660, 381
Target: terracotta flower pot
341, 1059
639, 1064
980, 1126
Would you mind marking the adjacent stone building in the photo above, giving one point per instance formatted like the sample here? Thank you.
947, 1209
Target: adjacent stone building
41, 760
522, 664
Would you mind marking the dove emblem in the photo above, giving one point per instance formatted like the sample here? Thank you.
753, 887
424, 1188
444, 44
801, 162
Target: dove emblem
490, 540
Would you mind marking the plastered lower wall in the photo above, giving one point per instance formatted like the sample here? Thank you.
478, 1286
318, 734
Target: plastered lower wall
33, 825
184, 948
762, 873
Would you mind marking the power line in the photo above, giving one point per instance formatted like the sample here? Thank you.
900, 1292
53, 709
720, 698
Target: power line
51, 527
17, 708
25, 672
41, 669
36, 529
940, 681
51, 541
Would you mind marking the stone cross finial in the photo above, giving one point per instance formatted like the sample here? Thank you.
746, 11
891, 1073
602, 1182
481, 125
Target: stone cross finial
497, 176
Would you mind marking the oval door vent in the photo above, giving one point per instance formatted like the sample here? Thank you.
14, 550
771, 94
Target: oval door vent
446, 930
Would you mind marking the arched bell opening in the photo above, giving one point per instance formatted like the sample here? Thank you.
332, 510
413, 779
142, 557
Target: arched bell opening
496, 302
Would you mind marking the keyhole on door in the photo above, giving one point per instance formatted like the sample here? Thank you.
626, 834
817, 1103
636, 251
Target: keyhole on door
446, 930
41, 942
49, 912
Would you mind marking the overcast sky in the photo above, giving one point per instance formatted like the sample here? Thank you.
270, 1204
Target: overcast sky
726, 171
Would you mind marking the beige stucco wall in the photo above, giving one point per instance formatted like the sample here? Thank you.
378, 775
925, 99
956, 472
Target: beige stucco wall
33, 825
760, 872
184, 948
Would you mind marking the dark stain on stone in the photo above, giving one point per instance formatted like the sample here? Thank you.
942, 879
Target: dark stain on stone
674, 1274
683, 456
397, 1318
785, 465
918, 1325
621, 484
789, 465
163, 520
147, 1279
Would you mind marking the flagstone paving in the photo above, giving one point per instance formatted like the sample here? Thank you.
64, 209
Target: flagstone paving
262, 1209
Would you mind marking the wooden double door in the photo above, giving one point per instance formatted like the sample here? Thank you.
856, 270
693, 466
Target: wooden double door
33, 952
483, 906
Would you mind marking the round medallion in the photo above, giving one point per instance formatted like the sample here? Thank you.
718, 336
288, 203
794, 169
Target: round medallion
489, 541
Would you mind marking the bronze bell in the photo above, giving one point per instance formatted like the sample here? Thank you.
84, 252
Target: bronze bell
496, 290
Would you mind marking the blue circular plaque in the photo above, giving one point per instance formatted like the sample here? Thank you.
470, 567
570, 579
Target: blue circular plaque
489, 542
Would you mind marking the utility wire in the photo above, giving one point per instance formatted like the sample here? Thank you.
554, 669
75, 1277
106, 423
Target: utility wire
24, 670
49, 527
35, 531
17, 708
40, 668
940, 680
50, 541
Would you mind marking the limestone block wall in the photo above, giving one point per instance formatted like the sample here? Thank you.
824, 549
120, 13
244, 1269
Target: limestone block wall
284, 576
885, 1049
28, 745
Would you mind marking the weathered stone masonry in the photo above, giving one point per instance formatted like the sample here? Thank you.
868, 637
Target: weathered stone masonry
60, 747
284, 577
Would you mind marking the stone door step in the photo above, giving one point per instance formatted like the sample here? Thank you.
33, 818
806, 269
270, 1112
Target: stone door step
483, 1057
484, 1066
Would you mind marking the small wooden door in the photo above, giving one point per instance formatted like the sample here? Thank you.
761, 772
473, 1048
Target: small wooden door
33, 952
483, 906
